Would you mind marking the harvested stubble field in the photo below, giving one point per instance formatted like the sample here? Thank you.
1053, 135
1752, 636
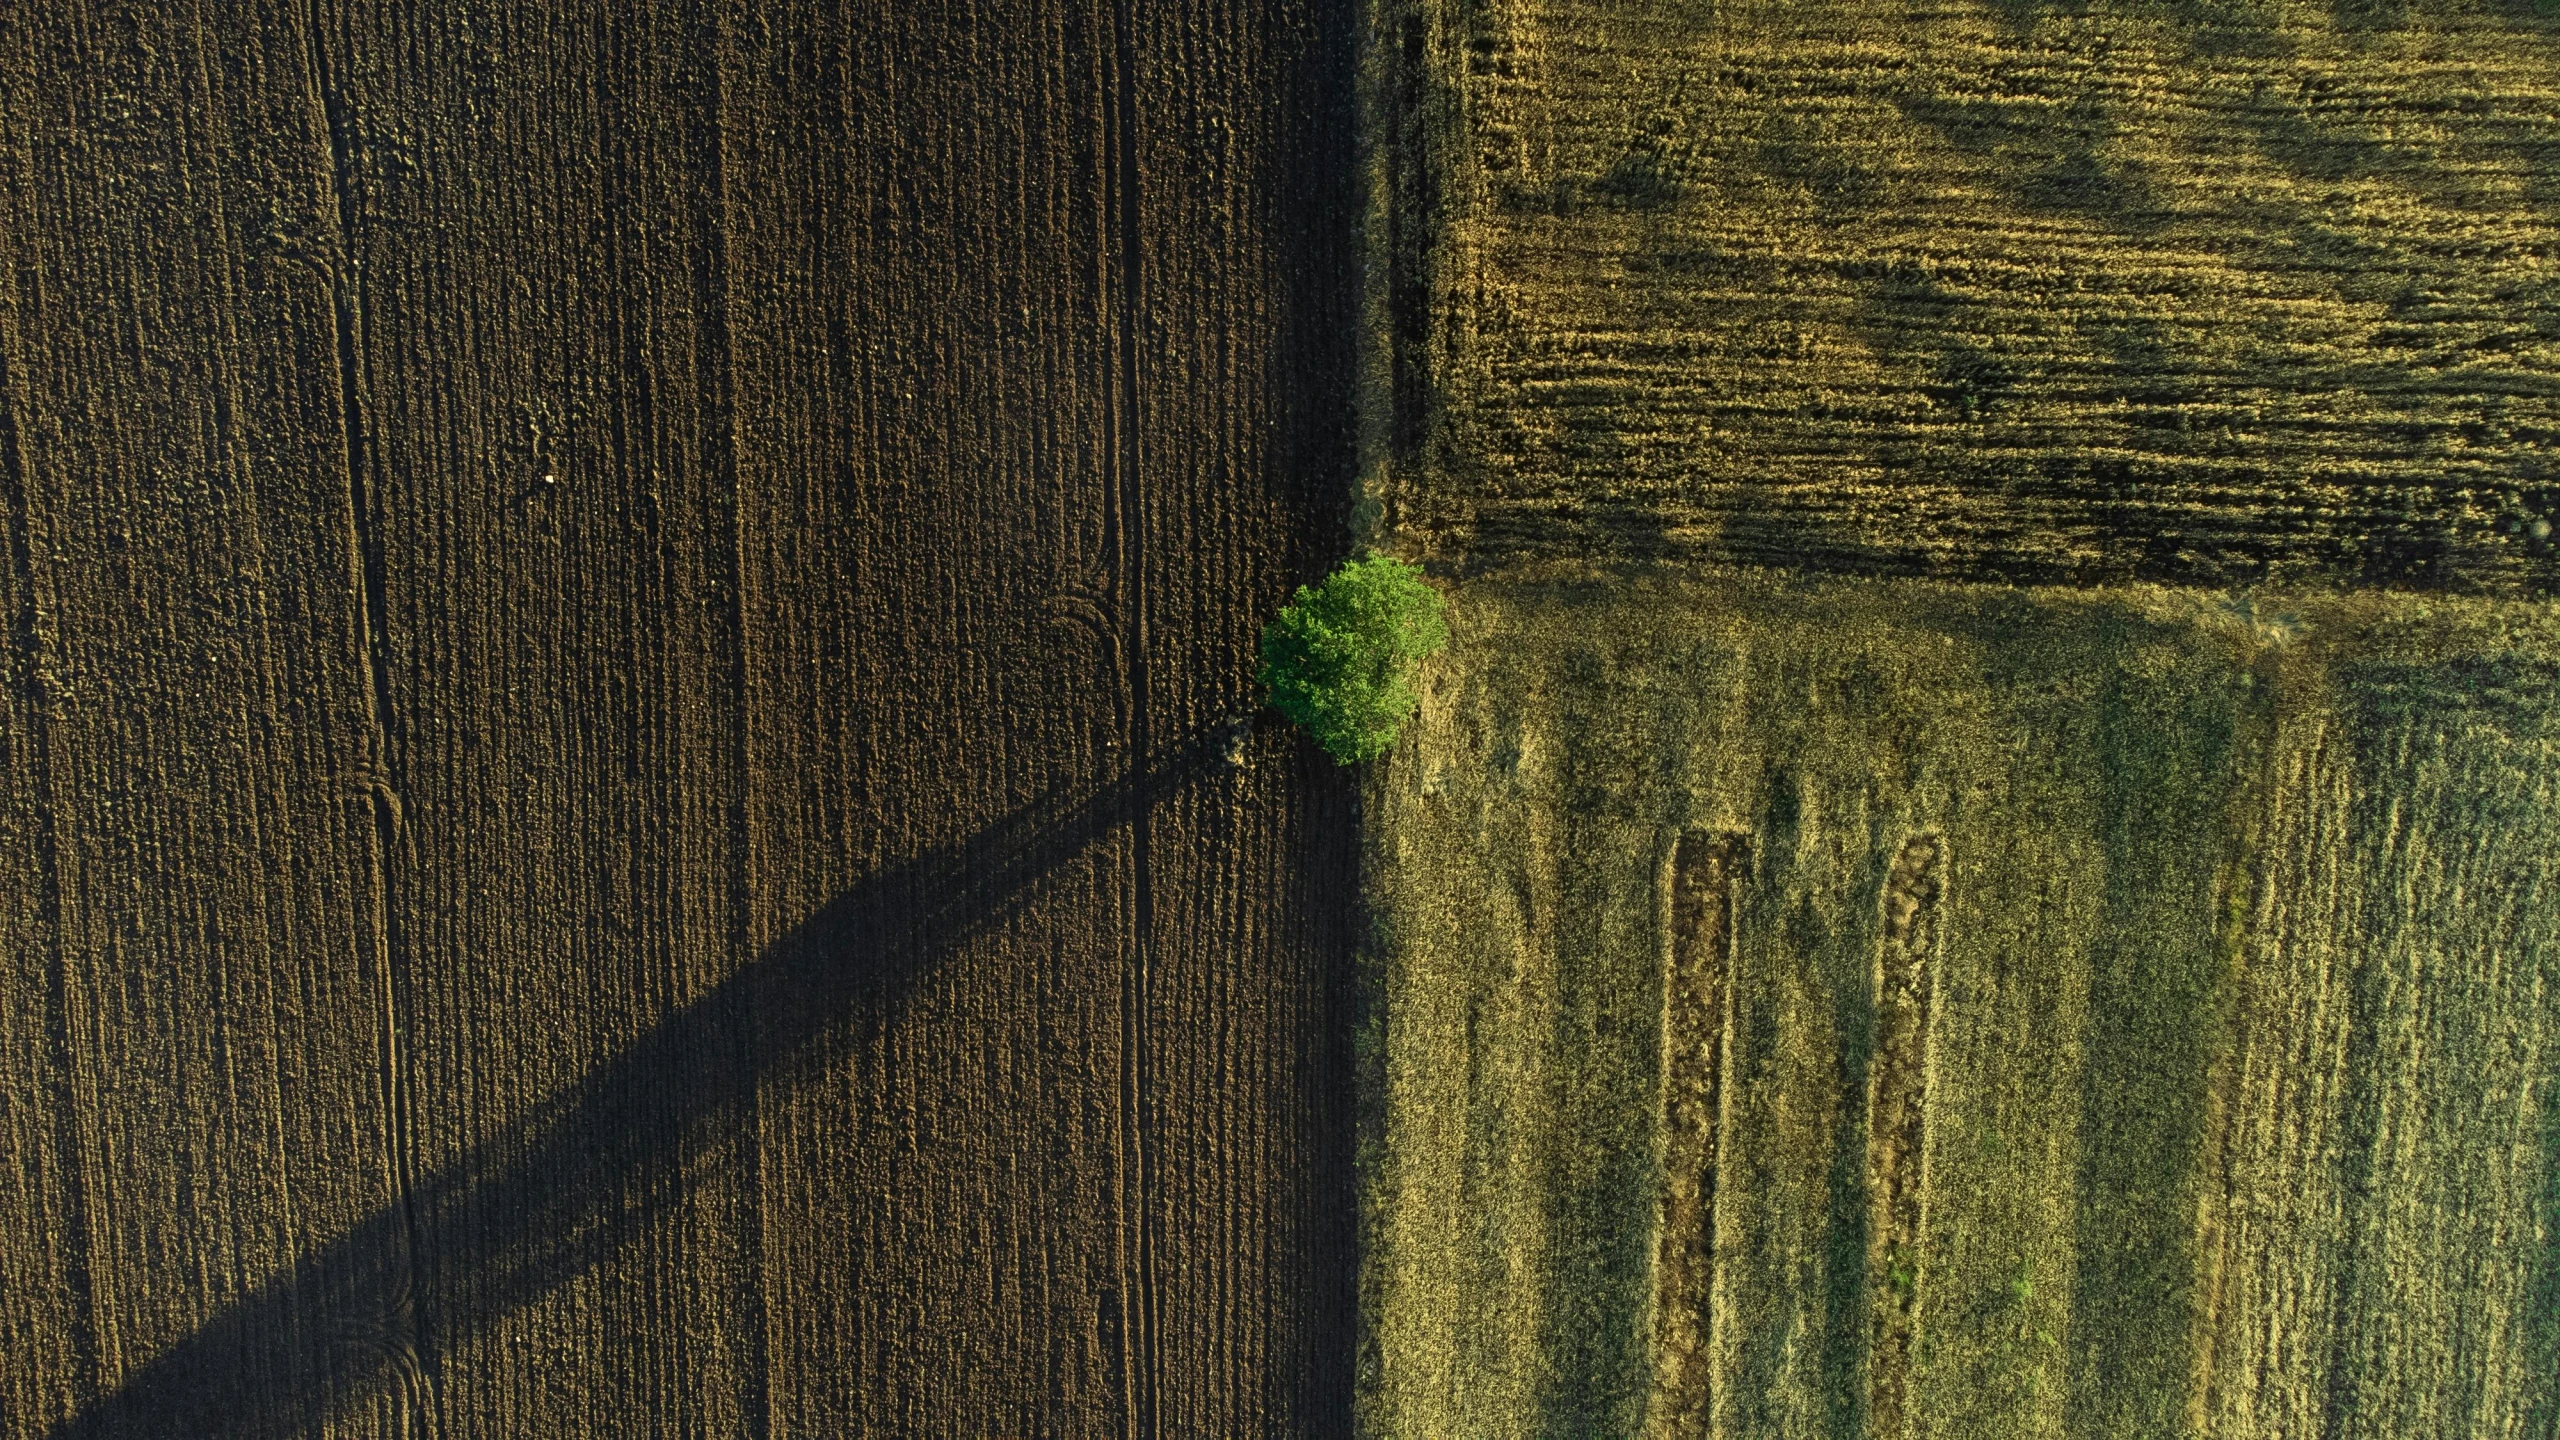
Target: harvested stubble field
610, 812
2204, 291
1885, 1001
1836, 1007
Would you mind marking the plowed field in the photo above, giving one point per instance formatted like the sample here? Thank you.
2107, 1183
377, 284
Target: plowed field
612, 818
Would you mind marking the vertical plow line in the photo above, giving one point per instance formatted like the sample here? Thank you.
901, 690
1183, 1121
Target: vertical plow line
1897, 1125
1704, 881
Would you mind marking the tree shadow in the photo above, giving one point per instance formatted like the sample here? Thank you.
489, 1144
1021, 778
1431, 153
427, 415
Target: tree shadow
556, 1193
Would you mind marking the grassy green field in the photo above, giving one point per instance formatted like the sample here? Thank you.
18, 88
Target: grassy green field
1828, 1007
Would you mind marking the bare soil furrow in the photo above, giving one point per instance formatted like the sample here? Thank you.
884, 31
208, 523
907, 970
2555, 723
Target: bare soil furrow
1706, 872
1897, 1125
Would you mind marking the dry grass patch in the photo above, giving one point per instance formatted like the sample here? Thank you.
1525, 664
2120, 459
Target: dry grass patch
2120, 1013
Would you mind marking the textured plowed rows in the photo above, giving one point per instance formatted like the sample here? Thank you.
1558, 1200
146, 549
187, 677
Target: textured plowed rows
605, 824
2183, 290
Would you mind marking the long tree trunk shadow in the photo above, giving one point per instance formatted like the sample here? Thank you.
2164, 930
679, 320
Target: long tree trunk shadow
556, 1193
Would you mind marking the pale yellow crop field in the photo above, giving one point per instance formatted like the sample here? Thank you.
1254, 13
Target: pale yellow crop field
1839, 1007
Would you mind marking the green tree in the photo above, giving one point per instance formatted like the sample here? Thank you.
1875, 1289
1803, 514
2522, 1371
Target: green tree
1340, 659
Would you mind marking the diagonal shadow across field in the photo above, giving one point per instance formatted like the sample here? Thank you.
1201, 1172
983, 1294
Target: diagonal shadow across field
556, 1193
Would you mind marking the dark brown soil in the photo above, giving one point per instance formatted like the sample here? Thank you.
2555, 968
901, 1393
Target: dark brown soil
612, 817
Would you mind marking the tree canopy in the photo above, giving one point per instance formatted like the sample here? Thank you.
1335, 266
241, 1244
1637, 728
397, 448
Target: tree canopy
1340, 660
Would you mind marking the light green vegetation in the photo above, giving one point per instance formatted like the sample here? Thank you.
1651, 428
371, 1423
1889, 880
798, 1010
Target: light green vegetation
2235, 1101
1340, 659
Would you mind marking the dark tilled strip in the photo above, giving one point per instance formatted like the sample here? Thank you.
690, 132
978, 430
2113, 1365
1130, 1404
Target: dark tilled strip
1707, 870
1896, 1118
